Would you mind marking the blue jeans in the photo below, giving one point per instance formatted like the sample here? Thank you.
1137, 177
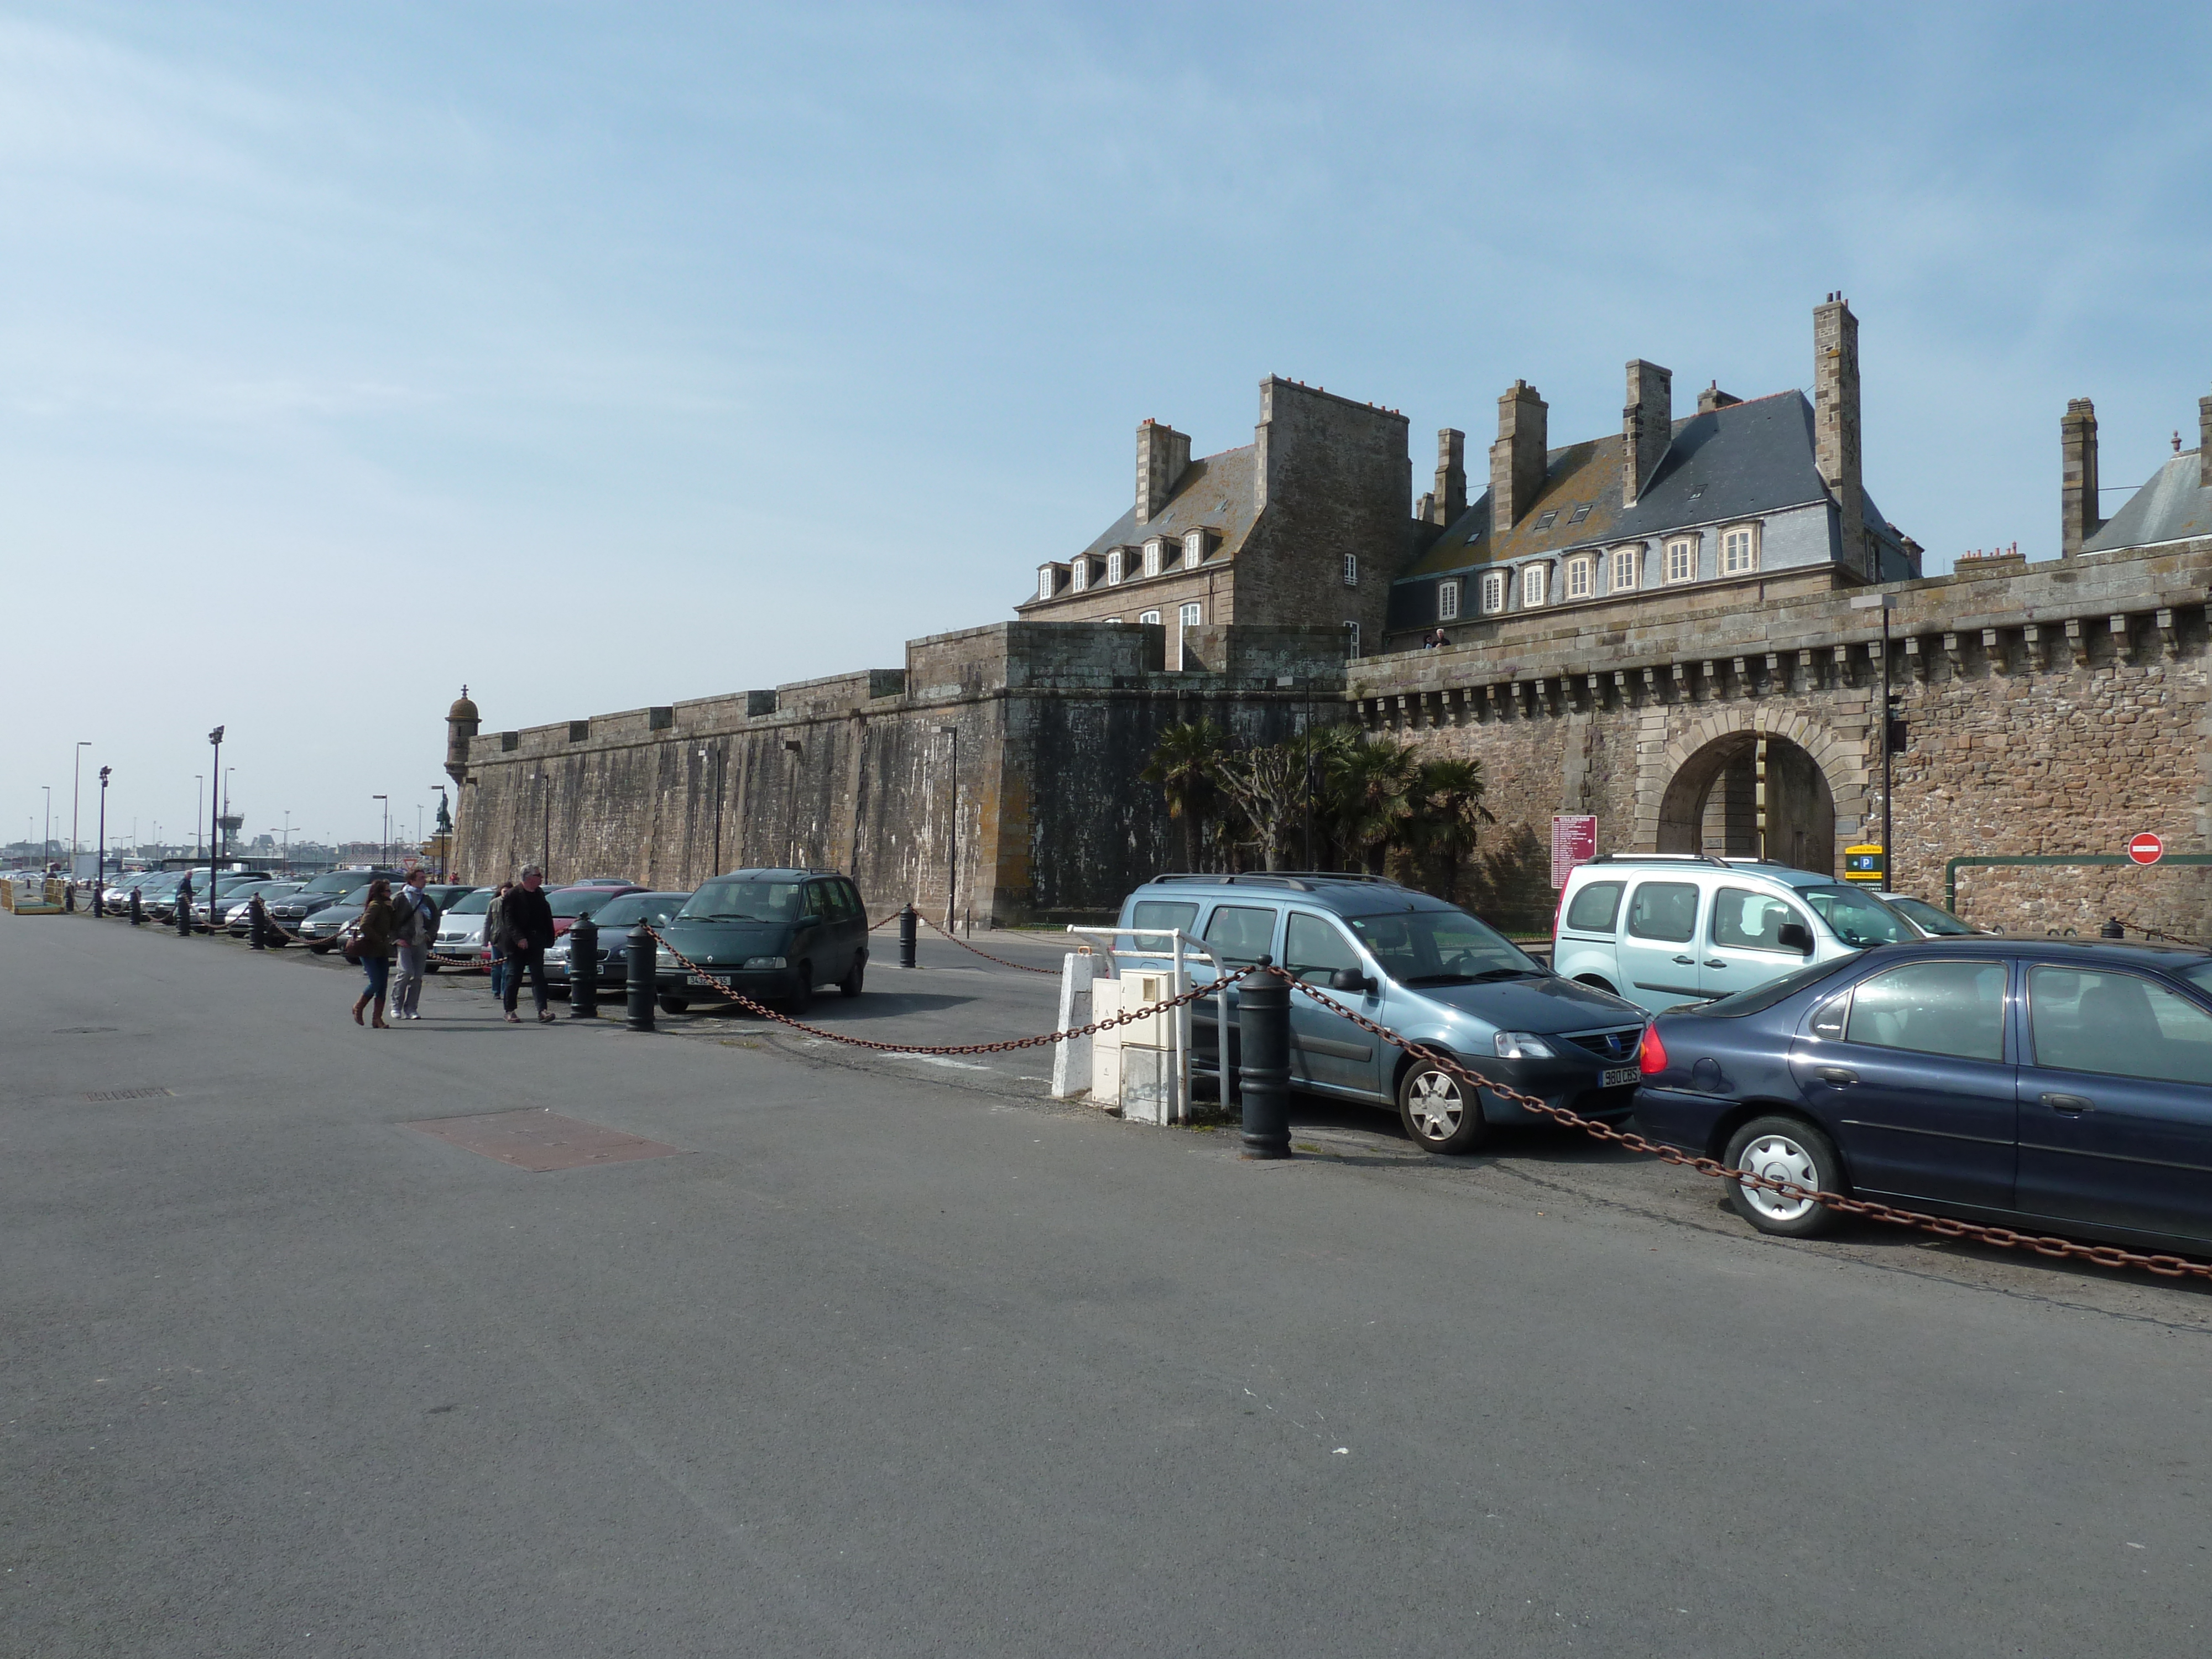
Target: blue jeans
378, 969
498, 971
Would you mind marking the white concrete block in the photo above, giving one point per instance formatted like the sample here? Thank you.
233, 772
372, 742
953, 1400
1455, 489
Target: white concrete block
1071, 1058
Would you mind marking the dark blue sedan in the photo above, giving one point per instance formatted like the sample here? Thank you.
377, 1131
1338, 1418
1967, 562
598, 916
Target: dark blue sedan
2064, 1086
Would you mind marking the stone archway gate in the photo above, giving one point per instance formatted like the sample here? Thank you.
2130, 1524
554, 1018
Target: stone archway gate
2054, 709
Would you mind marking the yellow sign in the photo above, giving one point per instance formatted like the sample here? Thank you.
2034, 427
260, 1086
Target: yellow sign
1865, 863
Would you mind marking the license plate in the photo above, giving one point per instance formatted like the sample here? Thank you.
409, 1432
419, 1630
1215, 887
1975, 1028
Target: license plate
1620, 1077
703, 979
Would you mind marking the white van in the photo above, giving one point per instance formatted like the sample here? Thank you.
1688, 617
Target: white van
1665, 928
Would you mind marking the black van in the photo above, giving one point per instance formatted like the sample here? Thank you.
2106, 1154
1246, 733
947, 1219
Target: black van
773, 935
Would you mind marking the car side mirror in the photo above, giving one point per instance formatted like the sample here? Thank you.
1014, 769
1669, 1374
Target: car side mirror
1349, 979
1794, 936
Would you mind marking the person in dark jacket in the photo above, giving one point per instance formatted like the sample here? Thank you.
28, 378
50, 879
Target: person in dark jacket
526, 920
375, 928
495, 939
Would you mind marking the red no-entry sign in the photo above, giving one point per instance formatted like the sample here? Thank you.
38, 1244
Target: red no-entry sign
2146, 849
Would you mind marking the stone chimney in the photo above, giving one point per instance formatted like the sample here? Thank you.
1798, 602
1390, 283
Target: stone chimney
2077, 475
2204, 443
1836, 421
1517, 459
1163, 456
1647, 426
1450, 501
1713, 397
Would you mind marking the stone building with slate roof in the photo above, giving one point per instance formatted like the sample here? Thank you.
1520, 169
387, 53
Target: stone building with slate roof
1756, 500
2173, 505
1304, 525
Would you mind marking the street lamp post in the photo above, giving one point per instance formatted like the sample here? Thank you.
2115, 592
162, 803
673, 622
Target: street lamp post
46, 845
1887, 603
215, 812
288, 841
77, 767
199, 789
100, 876
385, 854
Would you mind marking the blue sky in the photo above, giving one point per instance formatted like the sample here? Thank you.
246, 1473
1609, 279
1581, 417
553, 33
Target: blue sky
599, 356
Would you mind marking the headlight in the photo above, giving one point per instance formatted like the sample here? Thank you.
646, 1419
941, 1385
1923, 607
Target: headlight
557, 953
1524, 1045
763, 962
666, 958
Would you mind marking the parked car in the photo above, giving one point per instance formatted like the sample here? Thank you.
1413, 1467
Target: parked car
614, 920
1927, 919
228, 891
2064, 1086
1666, 928
773, 935
151, 885
291, 913
460, 931
569, 903
237, 920
1423, 968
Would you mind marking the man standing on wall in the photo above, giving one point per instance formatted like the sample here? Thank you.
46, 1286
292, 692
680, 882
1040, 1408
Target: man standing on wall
527, 921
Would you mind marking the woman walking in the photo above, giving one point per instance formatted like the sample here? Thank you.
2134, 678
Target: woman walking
376, 924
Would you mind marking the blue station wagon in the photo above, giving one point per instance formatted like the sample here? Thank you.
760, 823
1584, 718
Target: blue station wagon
1421, 967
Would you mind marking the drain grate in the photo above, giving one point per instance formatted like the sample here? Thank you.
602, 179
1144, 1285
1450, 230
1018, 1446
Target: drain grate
132, 1094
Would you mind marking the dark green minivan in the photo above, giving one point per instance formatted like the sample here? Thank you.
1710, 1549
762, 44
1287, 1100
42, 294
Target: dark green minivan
773, 935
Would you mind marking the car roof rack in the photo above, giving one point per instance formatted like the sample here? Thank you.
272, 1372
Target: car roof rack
1300, 881
1674, 858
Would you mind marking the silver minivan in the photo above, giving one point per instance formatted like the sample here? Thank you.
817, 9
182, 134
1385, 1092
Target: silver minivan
1666, 928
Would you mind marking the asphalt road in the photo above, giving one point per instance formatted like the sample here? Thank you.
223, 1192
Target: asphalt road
893, 1359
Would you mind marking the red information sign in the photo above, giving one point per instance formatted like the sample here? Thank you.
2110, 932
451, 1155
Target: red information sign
2143, 849
1574, 840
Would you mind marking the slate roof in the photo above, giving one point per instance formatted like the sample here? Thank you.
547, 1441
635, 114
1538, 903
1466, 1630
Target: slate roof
1735, 462
2172, 506
1215, 493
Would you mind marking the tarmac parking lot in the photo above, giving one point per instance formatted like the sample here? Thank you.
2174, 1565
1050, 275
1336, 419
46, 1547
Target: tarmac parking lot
470, 1339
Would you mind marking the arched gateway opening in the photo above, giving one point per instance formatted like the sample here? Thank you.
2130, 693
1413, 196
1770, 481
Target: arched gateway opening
1750, 795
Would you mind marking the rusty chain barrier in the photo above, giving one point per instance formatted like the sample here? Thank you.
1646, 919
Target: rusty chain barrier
2104, 1255
1128, 1017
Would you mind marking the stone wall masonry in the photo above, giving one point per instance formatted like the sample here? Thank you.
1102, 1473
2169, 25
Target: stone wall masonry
995, 774
2051, 709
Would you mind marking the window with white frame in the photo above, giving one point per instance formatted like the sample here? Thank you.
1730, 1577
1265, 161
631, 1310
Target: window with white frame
1351, 639
1079, 575
1581, 577
1682, 559
1151, 616
1189, 615
1044, 581
1114, 567
1534, 579
1448, 601
1624, 569
1194, 549
1493, 591
1352, 570
1739, 549
1152, 557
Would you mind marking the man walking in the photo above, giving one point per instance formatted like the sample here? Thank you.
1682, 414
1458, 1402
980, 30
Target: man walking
528, 919
415, 925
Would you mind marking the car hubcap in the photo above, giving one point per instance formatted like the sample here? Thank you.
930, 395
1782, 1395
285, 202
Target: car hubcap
1779, 1158
1437, 1107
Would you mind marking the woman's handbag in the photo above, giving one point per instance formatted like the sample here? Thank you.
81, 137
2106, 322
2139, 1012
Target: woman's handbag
351, 947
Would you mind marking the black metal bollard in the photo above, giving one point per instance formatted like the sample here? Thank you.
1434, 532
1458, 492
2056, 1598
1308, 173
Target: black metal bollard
583, 970
257, 924
908, 928
137, 908
68, 899
644, 976
1263, 1070
2112, 930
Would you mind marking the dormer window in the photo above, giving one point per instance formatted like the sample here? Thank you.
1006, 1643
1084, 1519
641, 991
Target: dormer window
1580, 513
1581, 577
1114, 568
1154, 551
1536, 580
1682, 559
1193, 549
1448, 601
1739, 549
1044, 581
1624, 569
1493, 591
1080, 575
1352, 570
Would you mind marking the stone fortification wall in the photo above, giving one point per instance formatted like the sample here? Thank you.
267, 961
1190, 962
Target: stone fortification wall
994, 773
2050, 709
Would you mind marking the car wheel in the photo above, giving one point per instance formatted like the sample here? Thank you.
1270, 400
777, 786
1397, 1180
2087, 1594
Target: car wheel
430, 967
322, 950
1784, 1149
850, 985
674, 1005
1441, 1113
802, 991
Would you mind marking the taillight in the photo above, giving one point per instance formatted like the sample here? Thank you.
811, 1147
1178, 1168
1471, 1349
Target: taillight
1652, 1059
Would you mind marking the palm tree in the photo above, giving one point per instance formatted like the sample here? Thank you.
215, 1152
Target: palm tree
1187, 764
1449, 815
1375, 786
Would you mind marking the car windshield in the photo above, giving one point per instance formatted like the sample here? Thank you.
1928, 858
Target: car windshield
2199, 974
745, 899
470, 904
1441, 947
1760, 998
573, 902
1925, 915
1859, 920
632, 908
338, 881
